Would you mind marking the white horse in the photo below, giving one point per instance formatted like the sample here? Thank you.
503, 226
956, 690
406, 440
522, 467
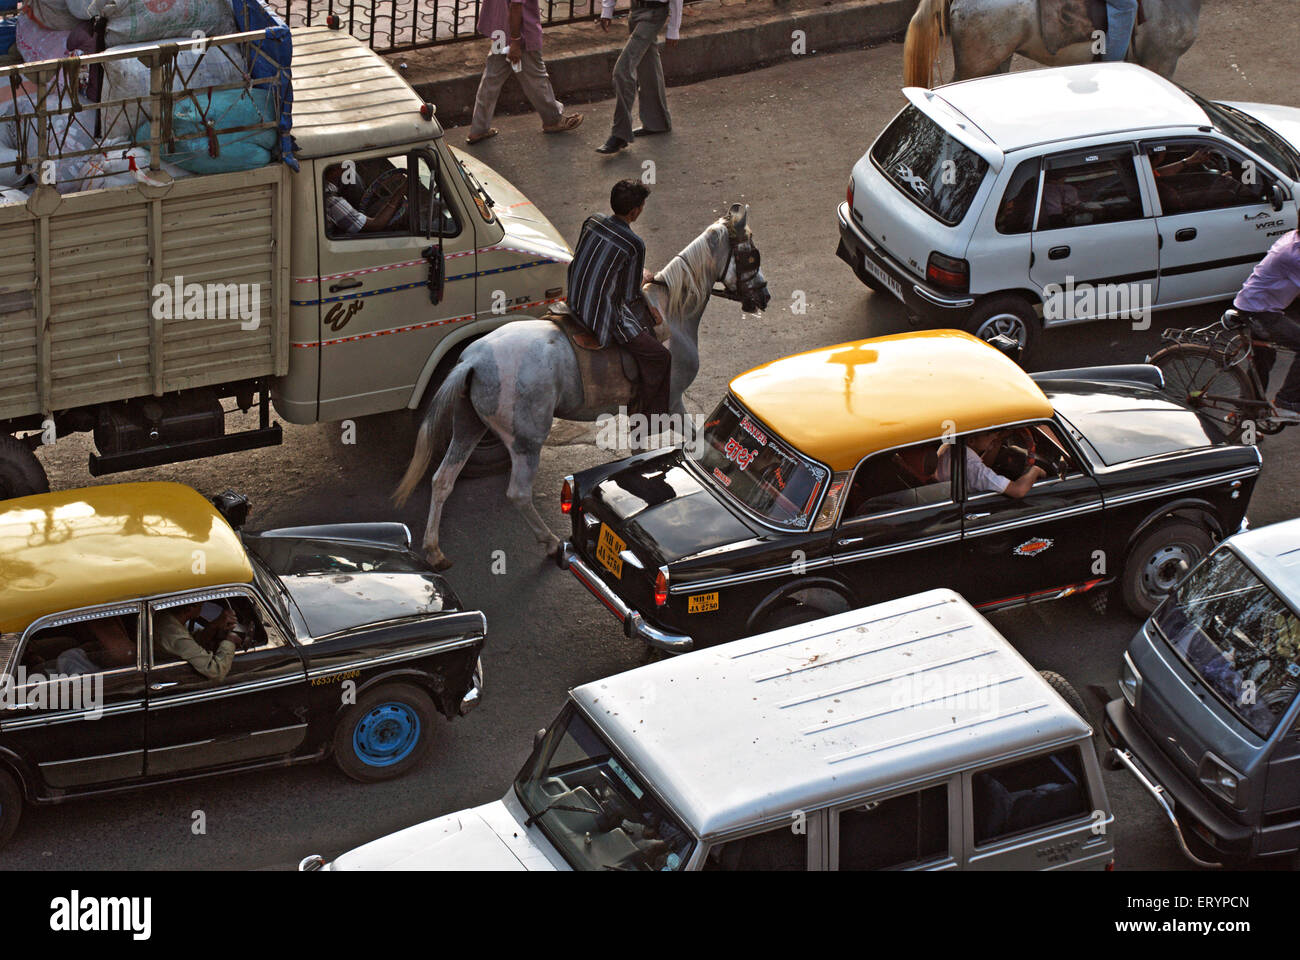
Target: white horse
987, 33
520, 376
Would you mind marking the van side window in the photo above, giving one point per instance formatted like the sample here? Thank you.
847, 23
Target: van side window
779, 849
897, 832
1029, 794
1016, 214
1094, 186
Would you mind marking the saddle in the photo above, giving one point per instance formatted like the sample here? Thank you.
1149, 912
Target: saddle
609, 374
1067, 22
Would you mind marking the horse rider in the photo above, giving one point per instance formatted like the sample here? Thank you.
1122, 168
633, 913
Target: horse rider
605, 279
1121, 16
1273, 286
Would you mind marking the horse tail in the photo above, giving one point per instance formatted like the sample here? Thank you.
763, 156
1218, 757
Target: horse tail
435, 429
925, 33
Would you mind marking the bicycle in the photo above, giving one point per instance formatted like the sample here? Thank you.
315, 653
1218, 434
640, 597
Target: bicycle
1212, 369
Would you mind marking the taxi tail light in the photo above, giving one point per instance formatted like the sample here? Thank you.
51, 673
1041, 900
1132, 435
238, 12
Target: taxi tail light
948, 273
566, 495
661, 587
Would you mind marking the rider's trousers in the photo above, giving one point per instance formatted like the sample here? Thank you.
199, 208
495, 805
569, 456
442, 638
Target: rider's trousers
1284, 331
1121, 15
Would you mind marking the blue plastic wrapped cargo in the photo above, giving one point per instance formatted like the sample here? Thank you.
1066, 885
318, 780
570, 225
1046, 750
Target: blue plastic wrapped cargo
8, 33
271, 57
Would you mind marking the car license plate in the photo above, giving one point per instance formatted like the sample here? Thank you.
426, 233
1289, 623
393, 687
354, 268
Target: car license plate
702, 603
608, 548
892, 285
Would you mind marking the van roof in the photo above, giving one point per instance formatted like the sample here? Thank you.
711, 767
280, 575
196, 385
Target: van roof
347, 98
1018, 110
840, 707
1274, 551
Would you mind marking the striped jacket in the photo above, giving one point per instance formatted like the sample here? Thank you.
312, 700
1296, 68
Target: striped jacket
605, 279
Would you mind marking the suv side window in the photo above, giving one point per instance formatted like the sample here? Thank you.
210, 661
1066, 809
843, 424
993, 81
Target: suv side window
779, 849
1192, 176
898, 480
1016, 213
897, 832
1090, 187
1029, 794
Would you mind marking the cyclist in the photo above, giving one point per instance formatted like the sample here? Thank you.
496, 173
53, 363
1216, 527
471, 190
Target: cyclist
1272, 287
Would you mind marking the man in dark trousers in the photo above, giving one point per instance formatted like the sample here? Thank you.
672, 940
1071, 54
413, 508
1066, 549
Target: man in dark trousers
638, 71
605, 281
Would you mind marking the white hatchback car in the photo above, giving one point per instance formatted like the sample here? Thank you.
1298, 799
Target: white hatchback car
1009, 203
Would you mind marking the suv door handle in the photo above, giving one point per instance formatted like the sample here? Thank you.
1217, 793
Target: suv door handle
345, 285
976, 516
1185, 234
1058, 253
163, 686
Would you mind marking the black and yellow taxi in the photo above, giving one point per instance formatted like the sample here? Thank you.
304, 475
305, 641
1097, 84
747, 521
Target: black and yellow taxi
859, 472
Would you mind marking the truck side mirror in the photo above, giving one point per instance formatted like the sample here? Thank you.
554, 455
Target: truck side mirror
437, 272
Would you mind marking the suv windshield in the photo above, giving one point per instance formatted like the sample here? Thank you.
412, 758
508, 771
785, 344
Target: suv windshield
1235, 633
592, 809
759, 471
1252, 134
936, 172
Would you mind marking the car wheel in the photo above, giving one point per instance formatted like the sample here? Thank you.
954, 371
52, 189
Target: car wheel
1009, 316
789, 614
1159, 560
11, 806
385, 733
21, 474
1067, 692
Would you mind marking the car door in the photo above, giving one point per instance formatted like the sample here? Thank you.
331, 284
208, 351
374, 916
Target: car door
378, 325
900, 529
1042, 542
1215, 216
83, 729
257, 711
1094, 248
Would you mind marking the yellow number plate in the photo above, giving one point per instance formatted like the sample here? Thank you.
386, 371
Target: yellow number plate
608, 548
702, 603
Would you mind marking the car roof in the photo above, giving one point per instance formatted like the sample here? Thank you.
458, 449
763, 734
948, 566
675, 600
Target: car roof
839, 404
346, 98
1018, 110
1274, 551
837, 708
79, 548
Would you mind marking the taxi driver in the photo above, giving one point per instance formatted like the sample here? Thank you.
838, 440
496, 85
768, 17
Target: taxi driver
980, 478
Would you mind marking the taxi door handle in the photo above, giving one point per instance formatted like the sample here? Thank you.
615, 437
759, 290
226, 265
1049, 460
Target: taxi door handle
849, 541
345, 285
163, 686
976, 516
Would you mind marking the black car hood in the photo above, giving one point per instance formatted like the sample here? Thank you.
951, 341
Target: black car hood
1129, 422
662, 506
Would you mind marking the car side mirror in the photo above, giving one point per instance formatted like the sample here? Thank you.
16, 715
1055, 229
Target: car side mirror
1277, 197
1006, 345
538, 737
233, 507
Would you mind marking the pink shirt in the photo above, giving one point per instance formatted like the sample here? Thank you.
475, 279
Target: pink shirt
494, 15
1275, 281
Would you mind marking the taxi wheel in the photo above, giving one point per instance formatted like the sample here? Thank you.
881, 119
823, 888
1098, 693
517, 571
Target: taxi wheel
1158, 561
385, 733
1067, 692
11, 807
1006, 315
21, 474
789, 614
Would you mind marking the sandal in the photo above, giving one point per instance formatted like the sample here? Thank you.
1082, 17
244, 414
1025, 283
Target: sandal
482, 136
566, 123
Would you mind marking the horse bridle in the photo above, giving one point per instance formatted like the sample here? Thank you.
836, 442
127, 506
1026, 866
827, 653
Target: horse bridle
745, 257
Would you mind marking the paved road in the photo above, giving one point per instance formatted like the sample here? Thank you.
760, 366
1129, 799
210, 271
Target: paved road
783, 141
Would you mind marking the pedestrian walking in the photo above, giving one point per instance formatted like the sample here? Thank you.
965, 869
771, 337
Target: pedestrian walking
515, 28
638, 74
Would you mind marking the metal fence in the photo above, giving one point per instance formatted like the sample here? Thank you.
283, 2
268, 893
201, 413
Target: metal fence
391, 25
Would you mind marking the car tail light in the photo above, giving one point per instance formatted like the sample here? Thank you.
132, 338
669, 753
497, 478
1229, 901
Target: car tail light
849, 196
661, 587
566, 495
948, 273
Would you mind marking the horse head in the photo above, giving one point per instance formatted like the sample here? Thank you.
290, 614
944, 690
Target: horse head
743, 279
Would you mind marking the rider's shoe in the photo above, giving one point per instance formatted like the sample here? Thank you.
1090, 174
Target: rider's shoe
1290, 412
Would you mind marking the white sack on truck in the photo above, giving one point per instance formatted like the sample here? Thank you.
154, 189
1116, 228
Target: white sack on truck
119, 165
36, 42
130, 78
51, 14
137, 21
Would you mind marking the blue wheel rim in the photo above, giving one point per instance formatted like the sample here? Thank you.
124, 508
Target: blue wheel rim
386, 734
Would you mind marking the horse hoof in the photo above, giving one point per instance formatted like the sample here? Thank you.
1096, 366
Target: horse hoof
439, 562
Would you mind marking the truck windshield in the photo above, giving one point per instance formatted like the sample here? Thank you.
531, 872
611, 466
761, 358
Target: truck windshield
595, 812
931, 168
1238, 636
758, 470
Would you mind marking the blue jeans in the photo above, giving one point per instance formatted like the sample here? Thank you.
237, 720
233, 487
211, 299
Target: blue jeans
1122, 15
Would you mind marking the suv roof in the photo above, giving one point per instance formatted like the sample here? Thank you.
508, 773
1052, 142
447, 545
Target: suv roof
1018, 110
80, 548
828, 710
1274, 551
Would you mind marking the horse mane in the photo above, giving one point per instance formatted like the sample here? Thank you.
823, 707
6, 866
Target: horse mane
685, 274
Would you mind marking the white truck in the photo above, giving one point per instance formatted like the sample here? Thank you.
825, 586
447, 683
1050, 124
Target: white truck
140, 311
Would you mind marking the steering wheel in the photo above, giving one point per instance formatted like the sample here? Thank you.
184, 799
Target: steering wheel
1028, 452
382, 189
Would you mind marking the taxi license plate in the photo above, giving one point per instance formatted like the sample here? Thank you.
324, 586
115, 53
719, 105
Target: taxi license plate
702, 603
892, 285
608, 548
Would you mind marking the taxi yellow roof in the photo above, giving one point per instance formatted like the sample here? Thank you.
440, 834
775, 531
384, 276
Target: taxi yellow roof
78, 548
838, 404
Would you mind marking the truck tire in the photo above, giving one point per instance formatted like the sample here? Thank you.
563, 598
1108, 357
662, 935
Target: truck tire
385, 733
489, 457
21, 474
11, 806
1067, 692
1153, 566
1008, 314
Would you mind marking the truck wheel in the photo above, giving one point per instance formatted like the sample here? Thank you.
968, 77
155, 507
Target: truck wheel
489, 457
11, 807
1067, 692
1158, 562
385, 733
21, 474
1008, 315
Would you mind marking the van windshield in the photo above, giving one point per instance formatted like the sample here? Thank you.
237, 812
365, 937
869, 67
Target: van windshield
936, 172
1238, 636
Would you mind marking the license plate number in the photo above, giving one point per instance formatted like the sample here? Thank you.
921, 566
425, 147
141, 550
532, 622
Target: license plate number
702, 603
608, 547
892, 285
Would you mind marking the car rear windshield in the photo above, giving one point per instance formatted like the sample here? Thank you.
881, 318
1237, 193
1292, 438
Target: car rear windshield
936, 172
758, 470
1238, 636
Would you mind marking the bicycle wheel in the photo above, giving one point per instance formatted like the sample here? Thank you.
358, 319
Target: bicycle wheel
1194, 376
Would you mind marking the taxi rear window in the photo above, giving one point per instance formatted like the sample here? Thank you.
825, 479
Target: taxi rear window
933, 170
